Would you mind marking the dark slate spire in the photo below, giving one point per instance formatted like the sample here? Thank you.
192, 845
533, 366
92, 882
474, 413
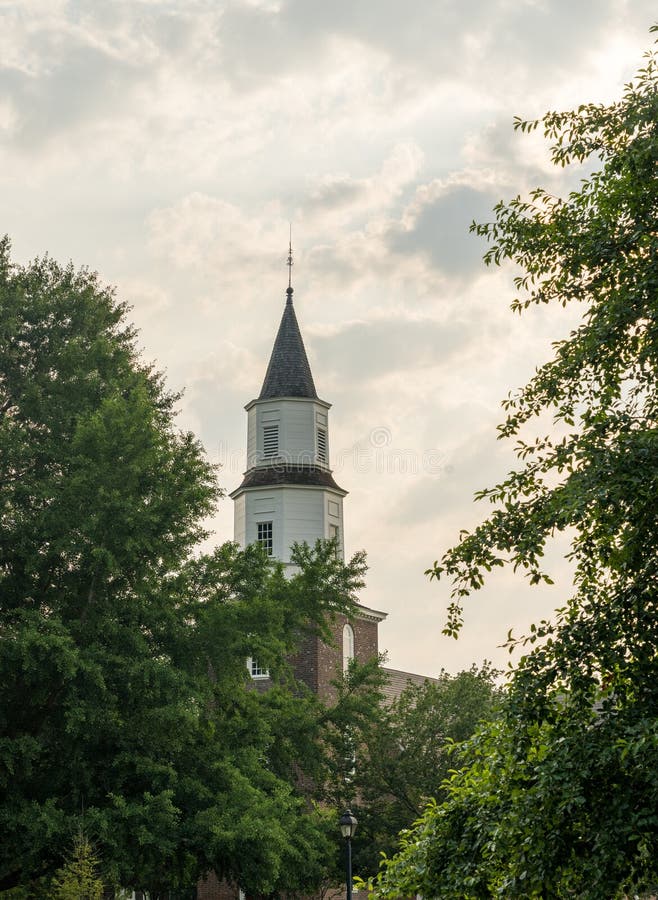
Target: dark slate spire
288, 374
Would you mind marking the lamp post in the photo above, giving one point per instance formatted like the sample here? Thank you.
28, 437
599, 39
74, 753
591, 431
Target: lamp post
348, 825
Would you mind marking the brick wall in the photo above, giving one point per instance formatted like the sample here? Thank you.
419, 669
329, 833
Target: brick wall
317, 664
211, 888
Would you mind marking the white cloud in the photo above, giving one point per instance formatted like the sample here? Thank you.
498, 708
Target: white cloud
170, 143
344, 197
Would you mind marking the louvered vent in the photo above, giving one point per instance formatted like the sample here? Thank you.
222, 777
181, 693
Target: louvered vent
270, 440
322, 445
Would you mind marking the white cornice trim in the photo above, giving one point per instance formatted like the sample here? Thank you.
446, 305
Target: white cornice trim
315, 400
287, 487
371, 615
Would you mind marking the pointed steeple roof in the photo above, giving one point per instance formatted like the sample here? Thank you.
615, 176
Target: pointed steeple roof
288, 373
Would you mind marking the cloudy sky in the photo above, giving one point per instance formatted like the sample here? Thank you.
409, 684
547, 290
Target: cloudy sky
168, 144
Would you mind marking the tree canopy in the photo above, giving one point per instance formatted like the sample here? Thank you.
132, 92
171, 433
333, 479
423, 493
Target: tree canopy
558, 797
407, 755
127, 711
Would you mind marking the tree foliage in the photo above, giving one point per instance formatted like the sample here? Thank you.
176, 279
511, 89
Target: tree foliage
558, 797
408, 754
122, 653
78, 879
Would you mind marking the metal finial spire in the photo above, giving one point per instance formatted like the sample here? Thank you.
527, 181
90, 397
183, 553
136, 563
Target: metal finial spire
290, 265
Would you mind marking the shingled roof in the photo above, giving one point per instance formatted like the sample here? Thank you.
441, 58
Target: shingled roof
288, 373
397, 681
288, 473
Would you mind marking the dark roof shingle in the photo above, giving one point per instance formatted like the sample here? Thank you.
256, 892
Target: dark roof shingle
288, 373
288, 473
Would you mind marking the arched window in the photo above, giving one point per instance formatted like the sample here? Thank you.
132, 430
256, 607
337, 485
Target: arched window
348, 646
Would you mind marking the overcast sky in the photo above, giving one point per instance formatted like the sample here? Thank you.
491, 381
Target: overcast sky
168, 144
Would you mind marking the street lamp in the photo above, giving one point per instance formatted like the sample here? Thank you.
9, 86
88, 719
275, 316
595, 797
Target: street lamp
348, 825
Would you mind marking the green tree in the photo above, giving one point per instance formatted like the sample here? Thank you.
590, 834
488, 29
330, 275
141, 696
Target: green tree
123, 683
407, 755
78, 879
558, 797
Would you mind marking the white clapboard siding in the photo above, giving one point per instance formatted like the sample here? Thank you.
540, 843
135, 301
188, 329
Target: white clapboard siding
239, 520
298, 420
297, 514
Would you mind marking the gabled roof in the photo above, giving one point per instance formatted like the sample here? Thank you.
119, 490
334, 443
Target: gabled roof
397, 681
288, 373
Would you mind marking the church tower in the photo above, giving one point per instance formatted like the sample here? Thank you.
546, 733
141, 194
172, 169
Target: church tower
288, 493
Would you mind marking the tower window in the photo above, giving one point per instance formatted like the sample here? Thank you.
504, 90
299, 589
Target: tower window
322, 445
265, 537
270, 440
348, 646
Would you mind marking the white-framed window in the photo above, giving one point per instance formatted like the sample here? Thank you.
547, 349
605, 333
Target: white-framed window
255, 669
350, 754
322, 445
348, 646
271, 439
264, 537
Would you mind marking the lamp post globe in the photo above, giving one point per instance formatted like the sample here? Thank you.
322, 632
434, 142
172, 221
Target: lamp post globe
348, 823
